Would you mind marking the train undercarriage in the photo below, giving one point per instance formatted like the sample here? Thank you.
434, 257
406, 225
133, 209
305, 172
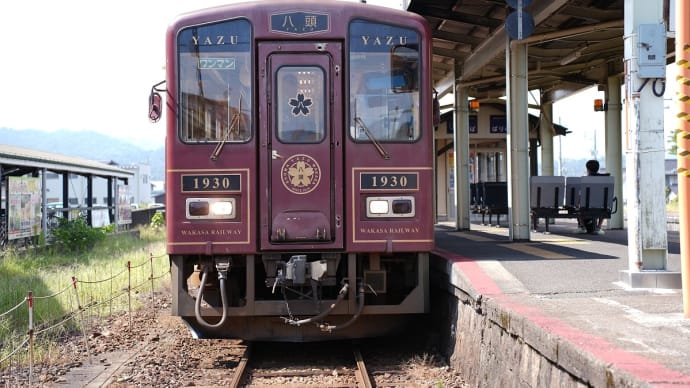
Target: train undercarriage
300, 297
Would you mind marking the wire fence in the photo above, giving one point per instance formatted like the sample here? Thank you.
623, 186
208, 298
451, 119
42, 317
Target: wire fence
83, 304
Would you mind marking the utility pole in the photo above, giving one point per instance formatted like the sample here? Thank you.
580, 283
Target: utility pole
645, 71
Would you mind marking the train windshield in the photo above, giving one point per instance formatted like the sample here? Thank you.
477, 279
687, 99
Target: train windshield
384, 82
215, 82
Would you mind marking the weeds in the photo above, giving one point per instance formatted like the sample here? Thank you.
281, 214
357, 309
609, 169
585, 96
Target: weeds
49, 272
158, 221
75, 235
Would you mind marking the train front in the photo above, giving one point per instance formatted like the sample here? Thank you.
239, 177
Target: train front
299, 170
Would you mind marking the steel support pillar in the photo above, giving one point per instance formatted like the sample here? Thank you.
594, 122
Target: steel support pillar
116, 214
518, 142
461, 149
546, 136
44, 203
614, 154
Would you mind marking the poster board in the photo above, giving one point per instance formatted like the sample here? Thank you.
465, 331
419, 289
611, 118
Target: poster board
100, 217
124, 209
24, 215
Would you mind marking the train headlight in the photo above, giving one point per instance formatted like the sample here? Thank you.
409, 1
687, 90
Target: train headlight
380, 207
210, 208
222, 208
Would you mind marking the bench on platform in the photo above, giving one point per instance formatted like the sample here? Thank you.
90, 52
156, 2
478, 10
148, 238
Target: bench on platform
547, 199
589, 197
489, 198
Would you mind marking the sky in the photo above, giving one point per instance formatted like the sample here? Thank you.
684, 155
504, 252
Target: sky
89, 66
84, 65
587, 137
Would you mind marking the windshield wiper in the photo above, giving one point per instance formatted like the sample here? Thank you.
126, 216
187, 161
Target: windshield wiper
233, 127
384, 154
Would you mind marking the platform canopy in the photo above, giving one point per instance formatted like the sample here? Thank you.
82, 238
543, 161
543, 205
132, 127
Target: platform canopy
575, 44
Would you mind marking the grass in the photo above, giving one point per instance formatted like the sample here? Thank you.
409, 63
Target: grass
102, 278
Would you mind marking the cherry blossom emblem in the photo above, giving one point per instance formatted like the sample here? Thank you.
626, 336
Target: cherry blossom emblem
300, 174
300, 105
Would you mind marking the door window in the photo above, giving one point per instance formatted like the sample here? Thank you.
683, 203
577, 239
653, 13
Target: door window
300, 104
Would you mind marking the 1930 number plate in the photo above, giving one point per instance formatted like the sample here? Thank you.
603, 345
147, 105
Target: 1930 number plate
387, 181
211, 182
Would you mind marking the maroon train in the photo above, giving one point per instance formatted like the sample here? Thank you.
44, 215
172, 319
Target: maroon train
299, 169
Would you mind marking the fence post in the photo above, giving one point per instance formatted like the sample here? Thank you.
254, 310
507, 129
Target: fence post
151, 260
81, 315
129, 291
110, 303
31, 336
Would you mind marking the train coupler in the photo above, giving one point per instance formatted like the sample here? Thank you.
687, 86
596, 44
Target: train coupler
297, 269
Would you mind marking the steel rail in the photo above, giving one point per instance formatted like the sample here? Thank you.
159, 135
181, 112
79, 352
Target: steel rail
241, 368
362, 375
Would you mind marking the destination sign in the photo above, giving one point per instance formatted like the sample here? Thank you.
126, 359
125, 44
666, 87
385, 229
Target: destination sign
366, 36
388, 181
217, 183
222, 37
299, 22
217, 63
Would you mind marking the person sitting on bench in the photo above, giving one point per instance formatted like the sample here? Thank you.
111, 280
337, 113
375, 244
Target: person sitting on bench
592, 167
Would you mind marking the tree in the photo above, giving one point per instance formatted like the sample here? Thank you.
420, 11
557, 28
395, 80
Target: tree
673, 142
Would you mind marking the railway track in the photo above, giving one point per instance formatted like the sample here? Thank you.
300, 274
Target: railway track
268, 373
246, 371
157, 350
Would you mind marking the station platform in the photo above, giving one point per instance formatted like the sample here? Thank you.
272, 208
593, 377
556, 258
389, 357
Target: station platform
567, 286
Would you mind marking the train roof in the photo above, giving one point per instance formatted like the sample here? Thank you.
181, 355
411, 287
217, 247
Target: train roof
255, 9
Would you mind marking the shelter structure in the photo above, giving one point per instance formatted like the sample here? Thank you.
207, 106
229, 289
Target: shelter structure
40, 187
485, 50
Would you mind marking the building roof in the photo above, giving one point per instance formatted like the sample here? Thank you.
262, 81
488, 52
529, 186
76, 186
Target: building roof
28, 158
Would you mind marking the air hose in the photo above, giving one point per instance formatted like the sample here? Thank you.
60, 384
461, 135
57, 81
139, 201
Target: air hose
360, 307
222, 276
341, 296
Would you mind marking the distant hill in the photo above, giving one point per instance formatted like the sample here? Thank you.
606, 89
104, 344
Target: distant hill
103, 148
88, 145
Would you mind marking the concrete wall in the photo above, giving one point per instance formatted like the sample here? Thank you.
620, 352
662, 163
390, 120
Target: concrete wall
493, 346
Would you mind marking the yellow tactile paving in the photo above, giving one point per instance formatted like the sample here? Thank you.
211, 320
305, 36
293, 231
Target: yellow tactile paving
530, 249
476, 237
559, 240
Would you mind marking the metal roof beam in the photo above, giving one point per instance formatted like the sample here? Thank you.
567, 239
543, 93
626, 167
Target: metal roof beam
464, 18
457, 38
448, 53
540, 38
494, 45
445, 85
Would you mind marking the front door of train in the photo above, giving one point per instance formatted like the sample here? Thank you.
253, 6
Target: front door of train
300, 125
